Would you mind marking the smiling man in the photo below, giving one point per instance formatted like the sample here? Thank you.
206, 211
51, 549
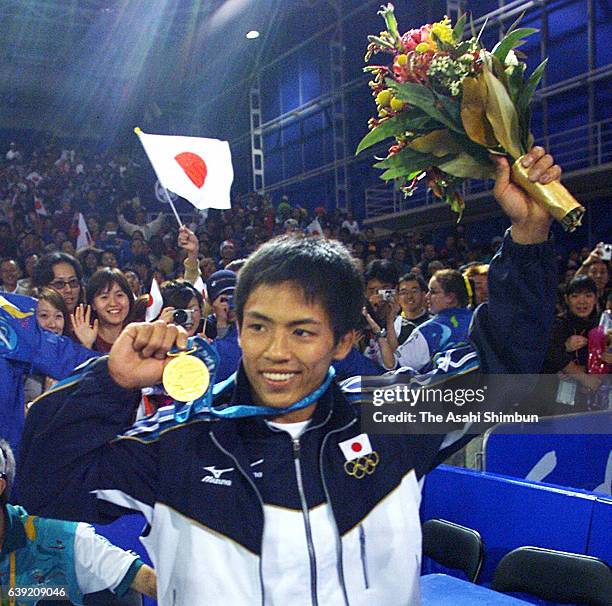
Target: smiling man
276, 496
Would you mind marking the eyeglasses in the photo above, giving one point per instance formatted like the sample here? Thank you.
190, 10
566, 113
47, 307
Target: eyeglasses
61, 284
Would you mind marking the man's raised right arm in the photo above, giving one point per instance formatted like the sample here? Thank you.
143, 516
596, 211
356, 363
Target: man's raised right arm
71, 465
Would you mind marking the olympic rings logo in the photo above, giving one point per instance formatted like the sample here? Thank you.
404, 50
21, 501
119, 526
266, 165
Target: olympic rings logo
359, 468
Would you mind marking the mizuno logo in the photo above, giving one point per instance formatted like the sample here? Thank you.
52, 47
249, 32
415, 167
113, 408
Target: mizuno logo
218, 472
216, 478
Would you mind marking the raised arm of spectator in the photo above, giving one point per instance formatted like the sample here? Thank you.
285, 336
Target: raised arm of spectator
189, 242
594, 255
154, 226
382, 339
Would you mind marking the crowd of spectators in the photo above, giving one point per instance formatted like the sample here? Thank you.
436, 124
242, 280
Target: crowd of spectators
43, 191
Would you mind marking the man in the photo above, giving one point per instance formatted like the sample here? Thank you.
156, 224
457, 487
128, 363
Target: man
10, 272
381, 307
148, 229
477, 273
54, 555
221, 324
261, 508
412, 299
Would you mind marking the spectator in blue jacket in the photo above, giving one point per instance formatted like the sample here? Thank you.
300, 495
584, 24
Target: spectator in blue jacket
24, 348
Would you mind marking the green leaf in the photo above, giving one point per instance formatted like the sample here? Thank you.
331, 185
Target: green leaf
514, 75
459, 27
392, 127
516, 23
465, 166
510, 41
423, 98
531, 85
404, 163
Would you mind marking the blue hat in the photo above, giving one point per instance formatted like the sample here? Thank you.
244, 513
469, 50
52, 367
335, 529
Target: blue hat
220, 282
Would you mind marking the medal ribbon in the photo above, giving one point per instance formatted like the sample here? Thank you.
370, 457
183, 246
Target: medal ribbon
203, 350
239, 411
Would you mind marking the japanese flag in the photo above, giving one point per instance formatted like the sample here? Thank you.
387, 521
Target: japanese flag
314, 228
155, 303
39, 207
356, 447
200, 287
84, 238
197, 169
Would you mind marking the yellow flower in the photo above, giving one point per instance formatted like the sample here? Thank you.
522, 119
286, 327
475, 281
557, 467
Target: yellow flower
401, 60
423, 47
384, 98
443, 30
397, 105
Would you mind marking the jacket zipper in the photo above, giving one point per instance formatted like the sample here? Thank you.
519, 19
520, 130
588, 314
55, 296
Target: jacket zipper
328, 499
261, 503
364, 557
311, 552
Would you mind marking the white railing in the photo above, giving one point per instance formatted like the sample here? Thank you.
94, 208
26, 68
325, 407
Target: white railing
574, 149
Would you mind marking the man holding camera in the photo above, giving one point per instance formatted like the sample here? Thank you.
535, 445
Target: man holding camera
258, 499
381, 308
221, 323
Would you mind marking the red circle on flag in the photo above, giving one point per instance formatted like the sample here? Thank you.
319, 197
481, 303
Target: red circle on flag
356, 447
150, 301
194, 167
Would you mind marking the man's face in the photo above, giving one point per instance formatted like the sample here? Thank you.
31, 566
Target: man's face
411, 297
65, 281
598, 272
481, 288
372, 287
9, 273
287, 344
222, 308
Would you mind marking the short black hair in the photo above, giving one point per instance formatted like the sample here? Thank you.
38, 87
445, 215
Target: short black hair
381, 269
323, 269
43, 271
581, 283
178, 293
104, 278
412, 277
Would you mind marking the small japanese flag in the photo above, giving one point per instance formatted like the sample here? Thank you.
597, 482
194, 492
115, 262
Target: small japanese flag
356, 447
200, 287
84, 238
155, 304
314, 228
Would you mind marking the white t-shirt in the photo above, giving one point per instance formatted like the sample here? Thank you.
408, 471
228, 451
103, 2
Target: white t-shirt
295, 430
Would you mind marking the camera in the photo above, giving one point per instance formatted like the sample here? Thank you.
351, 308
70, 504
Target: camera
606, 252
387, 294
180, 317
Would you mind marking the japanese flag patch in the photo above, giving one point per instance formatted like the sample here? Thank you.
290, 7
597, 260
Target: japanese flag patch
356, 447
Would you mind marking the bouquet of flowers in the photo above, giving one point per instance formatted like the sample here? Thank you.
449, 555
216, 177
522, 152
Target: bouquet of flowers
448, 103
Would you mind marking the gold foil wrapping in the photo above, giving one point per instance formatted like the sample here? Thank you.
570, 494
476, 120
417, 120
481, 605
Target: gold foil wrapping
551, 196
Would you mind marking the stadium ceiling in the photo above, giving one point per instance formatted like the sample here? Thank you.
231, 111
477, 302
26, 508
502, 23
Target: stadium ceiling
140, 58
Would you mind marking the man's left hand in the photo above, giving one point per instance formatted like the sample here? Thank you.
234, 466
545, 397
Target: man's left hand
530, 222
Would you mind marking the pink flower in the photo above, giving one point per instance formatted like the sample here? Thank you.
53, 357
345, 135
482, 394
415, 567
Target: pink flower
410, 40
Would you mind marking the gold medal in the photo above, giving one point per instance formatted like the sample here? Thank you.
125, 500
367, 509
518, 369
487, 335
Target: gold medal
186, 377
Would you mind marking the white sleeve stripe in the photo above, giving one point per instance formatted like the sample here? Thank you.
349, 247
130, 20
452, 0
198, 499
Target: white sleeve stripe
117, 497
98, 563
